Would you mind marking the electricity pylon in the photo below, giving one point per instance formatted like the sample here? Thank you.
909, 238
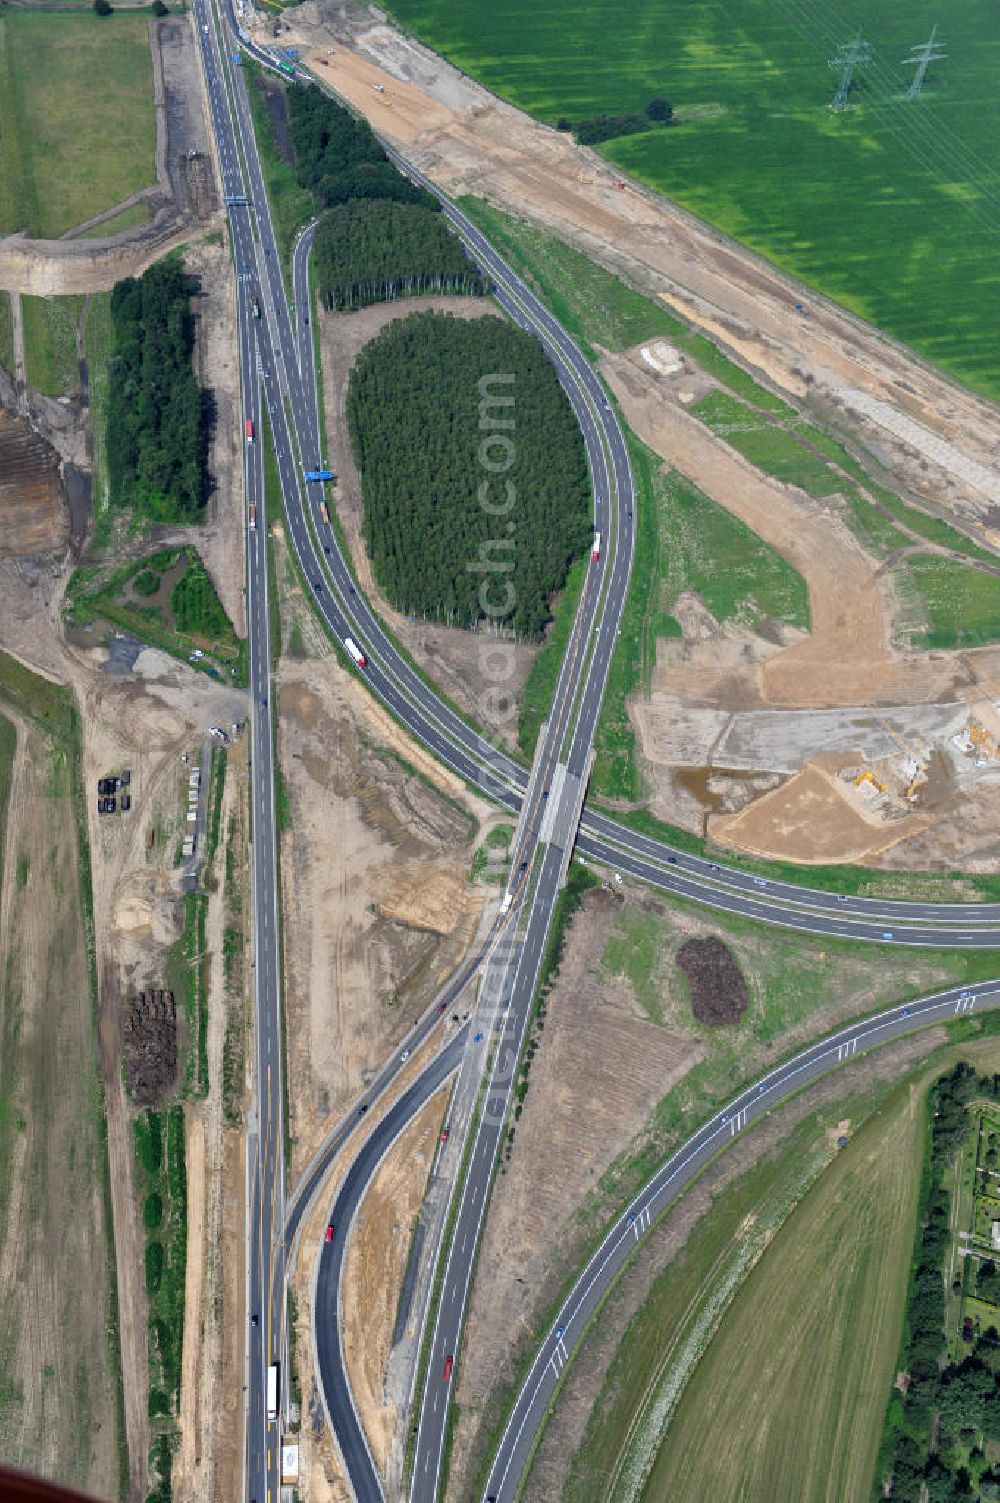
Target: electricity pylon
850, 55
930, 52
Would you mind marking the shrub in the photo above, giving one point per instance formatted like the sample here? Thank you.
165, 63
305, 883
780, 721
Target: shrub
154, 1266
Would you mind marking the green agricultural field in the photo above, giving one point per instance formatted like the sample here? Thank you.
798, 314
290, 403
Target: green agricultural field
891, 206
809, 1339
77, 132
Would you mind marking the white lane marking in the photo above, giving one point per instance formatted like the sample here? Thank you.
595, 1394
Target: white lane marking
844, 1051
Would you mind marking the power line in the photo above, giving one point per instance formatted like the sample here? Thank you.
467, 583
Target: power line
930, 52
850, 55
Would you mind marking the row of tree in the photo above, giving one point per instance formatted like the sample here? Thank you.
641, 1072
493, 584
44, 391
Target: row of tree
374, 251
338, 158
158, 433
933, 1450
473, 471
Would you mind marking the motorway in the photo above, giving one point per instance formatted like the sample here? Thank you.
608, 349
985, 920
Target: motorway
277, 354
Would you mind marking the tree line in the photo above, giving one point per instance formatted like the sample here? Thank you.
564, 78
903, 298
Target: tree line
597, 128
158, 433
449, 417
338, 158
373, 251
937, 1430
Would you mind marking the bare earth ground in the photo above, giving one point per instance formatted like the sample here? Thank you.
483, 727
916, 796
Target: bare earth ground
594, 1083
58, 1410
375, 1265
378, 907
451, 657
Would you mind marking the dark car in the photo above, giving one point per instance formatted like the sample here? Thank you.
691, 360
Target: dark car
126, 778
126, 802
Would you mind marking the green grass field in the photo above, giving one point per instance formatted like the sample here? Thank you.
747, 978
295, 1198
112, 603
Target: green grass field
798, 988
76, 117
963, 603
6, 334
890, 207
50, 354
128, 219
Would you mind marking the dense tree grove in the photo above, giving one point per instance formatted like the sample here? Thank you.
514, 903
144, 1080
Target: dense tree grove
338, 158
938, 1429
371, 252
157, 430
473, 471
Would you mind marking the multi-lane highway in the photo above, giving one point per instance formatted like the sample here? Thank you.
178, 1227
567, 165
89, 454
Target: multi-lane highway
277, 355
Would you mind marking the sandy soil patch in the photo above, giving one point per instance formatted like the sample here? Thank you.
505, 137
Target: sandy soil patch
378, 905
217, 369
846, 658
451, 657
375, 1265
810, 819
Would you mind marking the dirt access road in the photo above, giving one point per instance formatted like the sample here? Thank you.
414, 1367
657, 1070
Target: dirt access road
470, 142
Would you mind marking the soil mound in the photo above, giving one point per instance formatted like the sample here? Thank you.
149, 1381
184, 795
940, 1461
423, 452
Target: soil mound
150, 1044
718, 990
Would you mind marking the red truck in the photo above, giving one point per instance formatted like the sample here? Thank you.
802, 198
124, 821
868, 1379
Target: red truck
249, 430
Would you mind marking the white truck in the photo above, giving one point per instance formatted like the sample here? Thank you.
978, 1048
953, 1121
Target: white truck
272, 1392
597, 547
355, 652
